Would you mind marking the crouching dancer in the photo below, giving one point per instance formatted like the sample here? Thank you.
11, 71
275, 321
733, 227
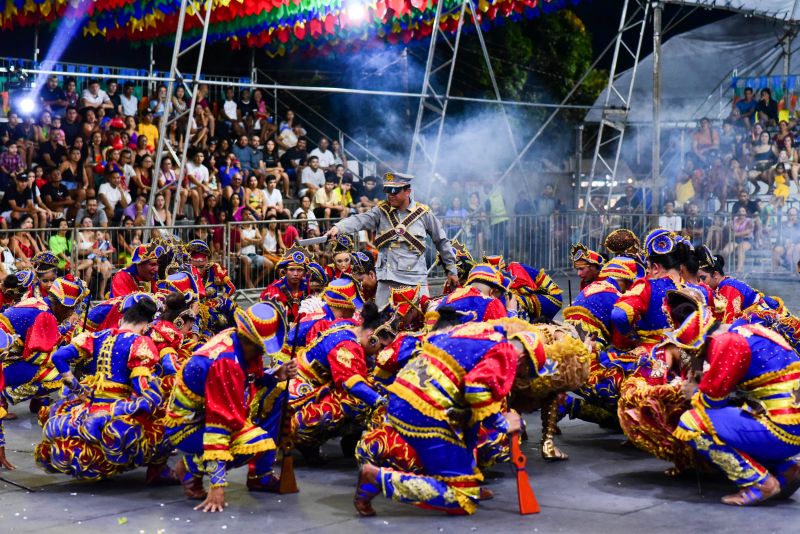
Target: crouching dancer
755, 444
456, 385
225, 409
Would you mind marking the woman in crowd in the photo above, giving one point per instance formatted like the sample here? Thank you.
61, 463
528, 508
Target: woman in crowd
273, 165
161, 215
143, 179
763, 160
743, 235
23, 245
248, 254
199, 130
256, 200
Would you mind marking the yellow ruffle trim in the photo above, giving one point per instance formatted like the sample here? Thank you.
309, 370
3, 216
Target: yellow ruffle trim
224, 456
253, 448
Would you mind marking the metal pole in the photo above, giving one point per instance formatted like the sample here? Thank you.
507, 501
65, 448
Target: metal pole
578, 162
36, 45
415, 139
195, 92
656, 166
162, 125
151, 86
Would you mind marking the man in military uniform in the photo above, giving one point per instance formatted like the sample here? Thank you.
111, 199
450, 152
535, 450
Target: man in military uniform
400, 224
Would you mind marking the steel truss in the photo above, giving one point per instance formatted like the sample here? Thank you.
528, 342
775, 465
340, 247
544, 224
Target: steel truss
611, 132
179, 154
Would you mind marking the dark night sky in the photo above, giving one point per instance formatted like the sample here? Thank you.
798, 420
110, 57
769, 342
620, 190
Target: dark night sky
601, 19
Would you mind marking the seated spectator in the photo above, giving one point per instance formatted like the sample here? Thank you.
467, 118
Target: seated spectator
744, 229
272, 165
789, 157
743, 201
168, 183
57, 198
786, 252
60, 244
705, 142
102, 255
304, 211
97, 217
326, 204
255, 197
228, 169
112, 87
312, 177
737, 177
161, 215
294, 159
125, 241
42, 128
250, 259
263, 123
11, 165
454, 217
344, 197
694, 224
235, 189
783, 133
256, 154
112, 197
370, 195
71, 125
53, 97
327, 161
148, 130
274, 199
200, 127
17, 201
763, 160
129, 101
199, 180
158, 104
243, 154
781, 192
143, 179
71, 92
670, 220
231, 116
273, 245
767, 108
23, 245
95, 98
339, 157
86, 238
746, 108
8, 263
137, 211
53, 153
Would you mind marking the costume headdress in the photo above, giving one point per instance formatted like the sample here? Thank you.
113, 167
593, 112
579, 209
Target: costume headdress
622, 268
403, 299
198, 246
25, 278
361, 262
316, 273
296, 256
264, 324
581, 255
396, 180
67, 292
181, 282
489, 274
44, 262
659, 241
342, 243
148, 252
622, 241
342, 293
691, 334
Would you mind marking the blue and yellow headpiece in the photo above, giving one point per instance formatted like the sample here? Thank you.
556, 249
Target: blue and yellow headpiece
264, 324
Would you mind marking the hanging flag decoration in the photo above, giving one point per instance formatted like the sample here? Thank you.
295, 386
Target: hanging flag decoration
278, 26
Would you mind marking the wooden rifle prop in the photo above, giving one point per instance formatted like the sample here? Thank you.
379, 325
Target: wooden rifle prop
287, 483
525, 496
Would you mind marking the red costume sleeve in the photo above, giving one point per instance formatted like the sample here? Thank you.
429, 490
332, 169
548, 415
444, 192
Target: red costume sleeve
729, 358
123, 284
488, 383
495, 310
222, 275
143, 357
633, 303
225, 409
733, 303
347, 361
272, 292
42, 336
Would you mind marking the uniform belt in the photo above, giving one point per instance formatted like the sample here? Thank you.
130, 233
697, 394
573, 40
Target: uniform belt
399, 230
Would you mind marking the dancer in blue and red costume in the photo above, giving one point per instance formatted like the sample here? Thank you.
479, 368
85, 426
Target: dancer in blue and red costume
106, 424
480, 299
6, 341
214, 288
340, 306
225, 409
141, 275
539, 297
364, 273
292, 287
45, 266
336, 388
587, 263
737, 300
28, 370
424, 453
341, 250
590, 314
755, 444
13, 288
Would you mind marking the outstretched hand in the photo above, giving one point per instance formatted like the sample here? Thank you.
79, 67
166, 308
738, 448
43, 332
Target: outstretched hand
215, 501
332, 233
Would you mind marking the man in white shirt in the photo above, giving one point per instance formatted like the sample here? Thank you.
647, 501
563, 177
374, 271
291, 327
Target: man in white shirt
112, 197
274, 198
327, 161
312, 177
199, 180
670, 220
231, 114
94, 97
130, 104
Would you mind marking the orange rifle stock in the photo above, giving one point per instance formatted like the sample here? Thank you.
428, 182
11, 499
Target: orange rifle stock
527, 500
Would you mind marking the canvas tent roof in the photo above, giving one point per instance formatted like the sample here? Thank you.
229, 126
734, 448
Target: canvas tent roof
785, 10
697, 67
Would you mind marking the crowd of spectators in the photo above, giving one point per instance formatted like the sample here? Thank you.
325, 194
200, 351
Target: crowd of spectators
86, 159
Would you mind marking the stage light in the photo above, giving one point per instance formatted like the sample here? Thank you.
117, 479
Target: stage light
26, 106
356, 12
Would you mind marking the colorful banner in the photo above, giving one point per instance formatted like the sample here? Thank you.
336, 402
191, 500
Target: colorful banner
279, 26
